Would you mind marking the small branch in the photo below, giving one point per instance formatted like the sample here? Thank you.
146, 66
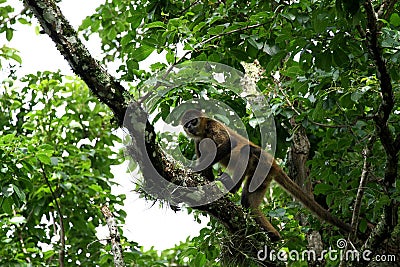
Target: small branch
230, 32
61, 253
114, 235
21, 241
279, 86
360, 192
199, 45
329, 125
186, 9
386, 9
5, 21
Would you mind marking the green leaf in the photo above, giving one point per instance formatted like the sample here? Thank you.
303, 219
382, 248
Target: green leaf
170, 57
9, 34
132, 64
288, 16
6, 205
44, 158
111, 33
29, 126
322, 189
7, 138
324, 60
23, 21
363, 225
134, 21
141, 53
199, 26
318, 113
293, 71
156, 24
216, 30
340, 57
239, 54
20, 193
395, 19
199, 260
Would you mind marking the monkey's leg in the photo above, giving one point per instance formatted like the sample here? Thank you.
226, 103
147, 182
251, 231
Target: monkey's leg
253, 201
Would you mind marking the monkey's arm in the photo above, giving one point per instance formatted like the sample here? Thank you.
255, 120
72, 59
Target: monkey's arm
214, 148
206, 171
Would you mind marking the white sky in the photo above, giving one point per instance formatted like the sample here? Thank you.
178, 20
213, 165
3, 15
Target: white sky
145, 224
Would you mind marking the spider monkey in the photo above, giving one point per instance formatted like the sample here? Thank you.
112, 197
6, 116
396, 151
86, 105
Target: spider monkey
215, 142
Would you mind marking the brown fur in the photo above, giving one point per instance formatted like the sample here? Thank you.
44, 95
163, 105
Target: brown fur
241, 158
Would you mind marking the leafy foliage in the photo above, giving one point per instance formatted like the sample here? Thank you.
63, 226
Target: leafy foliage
53, 150
326, 80
317, 73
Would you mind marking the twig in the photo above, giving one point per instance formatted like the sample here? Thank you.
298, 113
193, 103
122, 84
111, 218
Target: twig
61, 253
15, 16
329, 125
229, 32
187, 8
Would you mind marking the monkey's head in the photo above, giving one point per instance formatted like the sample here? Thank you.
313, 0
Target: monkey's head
192, 122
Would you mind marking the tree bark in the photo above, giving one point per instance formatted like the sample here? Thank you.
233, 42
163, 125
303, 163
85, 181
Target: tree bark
144, 149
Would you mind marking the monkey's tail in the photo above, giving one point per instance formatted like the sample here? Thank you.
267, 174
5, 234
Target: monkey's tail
283, 179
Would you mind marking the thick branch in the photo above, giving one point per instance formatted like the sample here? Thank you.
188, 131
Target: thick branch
152, 161
387, 104
385, 109
389, 217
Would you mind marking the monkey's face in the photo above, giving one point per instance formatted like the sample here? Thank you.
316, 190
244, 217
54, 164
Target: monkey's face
191, 122
192, 127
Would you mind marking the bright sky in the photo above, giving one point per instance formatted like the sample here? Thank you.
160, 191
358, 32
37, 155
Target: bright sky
146, 224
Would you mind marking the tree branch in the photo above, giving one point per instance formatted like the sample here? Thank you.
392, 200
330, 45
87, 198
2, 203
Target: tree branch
114, 236
389, 217
152, 161
360, 192
386, 9
7, 20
